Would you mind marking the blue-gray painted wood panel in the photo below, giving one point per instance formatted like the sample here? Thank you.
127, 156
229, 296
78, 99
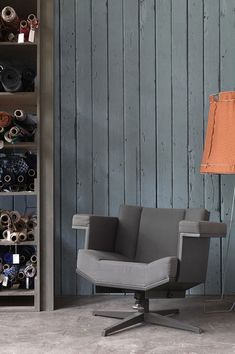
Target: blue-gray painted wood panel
132, 105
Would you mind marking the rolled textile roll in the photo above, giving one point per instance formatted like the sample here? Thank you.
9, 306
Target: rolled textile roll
34, 259
33, 21
8, 138
27, 121
32, 223
22, 236
15, 216
5, 119
24, 28
14, 237
20, 179
20, 225
11, 80
6, 234
6, 266
30, 271
28, 77
5, 218
21, 274
30, 235
10, 18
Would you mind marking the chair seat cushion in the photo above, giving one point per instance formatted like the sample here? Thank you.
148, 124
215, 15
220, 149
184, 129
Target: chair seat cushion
115, 270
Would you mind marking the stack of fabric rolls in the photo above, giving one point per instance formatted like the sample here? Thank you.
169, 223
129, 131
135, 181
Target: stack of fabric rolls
18, 172
11, 25
22, 274
17, 228
19, 127
14, 79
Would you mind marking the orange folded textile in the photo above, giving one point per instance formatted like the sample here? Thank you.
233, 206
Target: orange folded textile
219, 150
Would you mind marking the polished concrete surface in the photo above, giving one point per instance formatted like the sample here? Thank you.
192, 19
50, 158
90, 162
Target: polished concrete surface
71, 329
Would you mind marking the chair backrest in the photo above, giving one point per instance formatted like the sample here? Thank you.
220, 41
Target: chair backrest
147, 234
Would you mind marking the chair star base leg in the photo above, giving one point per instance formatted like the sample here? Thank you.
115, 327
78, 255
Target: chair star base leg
131, 320
157, 319
113, 314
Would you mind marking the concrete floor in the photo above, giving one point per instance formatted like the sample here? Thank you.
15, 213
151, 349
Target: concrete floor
72, 330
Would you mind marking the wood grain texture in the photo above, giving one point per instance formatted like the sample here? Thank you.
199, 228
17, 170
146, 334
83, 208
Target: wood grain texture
68, 146
131, 101
147, 103
179, 104
115, 105
212, 182
227, 45
164, 103
132, 116
84, 122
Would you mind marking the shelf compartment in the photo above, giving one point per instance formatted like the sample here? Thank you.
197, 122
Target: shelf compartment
16, 44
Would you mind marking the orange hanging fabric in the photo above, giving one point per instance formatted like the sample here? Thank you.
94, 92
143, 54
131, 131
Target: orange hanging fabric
219, 150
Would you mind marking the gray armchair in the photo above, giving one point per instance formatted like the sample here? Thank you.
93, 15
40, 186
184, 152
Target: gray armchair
152, 252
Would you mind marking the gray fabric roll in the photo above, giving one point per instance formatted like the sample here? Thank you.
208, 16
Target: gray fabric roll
11, 80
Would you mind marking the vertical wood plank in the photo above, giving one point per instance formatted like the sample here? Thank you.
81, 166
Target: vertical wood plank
147, 103
131, 102
115, 89
179, 104
195, 106
227, 36
84, 122
211, 85
164, 107
100, 107
68, 144
57, 131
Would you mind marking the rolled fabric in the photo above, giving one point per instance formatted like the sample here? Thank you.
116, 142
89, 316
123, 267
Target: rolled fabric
30, 235
22, 259
11, 37
15, 216
6, 234
31, 187
26, 121
32, 172
30, 271
24, 28
20, 179
11, 80
5, 218
33, 21
32, 223
11, 272
10, 17
22, 236
34, 259
20, 225
28, 77
6, 266
21, 274
8, 258
5, 119
8, 138
2, 131
14, 237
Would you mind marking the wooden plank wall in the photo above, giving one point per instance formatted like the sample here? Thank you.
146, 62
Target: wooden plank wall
132, 85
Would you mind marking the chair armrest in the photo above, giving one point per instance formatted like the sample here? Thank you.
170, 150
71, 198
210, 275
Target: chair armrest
101, 231
193, 248
202, 228
81, 221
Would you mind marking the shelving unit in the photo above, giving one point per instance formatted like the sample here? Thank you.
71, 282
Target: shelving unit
23, 54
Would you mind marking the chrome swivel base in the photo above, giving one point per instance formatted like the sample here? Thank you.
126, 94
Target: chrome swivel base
142, 315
